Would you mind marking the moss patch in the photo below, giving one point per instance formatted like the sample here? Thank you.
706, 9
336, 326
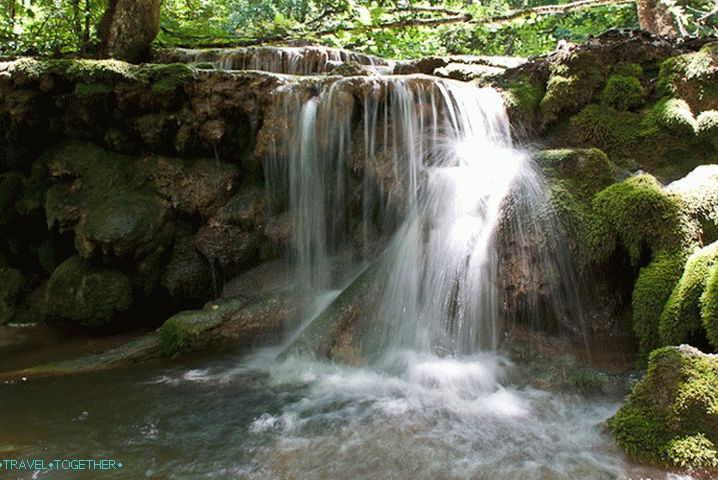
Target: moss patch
681, 318
623, 92
189, 330
671, 416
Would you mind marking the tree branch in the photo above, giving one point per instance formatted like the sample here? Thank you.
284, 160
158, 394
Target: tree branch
560, 8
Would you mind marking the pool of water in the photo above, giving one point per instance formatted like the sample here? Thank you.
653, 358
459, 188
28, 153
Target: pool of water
413, 417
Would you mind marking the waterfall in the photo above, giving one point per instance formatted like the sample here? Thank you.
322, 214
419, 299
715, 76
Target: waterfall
423, 170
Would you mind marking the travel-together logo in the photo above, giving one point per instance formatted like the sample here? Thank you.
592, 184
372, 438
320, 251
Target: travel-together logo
60, 464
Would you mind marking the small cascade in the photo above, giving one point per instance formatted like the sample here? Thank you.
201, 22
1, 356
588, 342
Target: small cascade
309, 60
424, 170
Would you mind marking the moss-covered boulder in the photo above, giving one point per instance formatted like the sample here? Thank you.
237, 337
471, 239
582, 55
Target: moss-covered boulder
639, 215
623, 92
125, 224
671, 416
87, 295
693, 77
574, 177
680, 320
233, 322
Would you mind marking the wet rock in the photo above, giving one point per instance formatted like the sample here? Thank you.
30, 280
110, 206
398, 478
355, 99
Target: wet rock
193, 187
228, 246
275, 275
12, 283
234, 322
671, 416
247, 209
86, 295
126, 224
187, 276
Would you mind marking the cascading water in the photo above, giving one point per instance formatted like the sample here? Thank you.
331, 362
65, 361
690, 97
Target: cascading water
430, 162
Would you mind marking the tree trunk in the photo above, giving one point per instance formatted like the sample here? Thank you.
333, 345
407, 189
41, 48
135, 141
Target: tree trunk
655, 19
128, 28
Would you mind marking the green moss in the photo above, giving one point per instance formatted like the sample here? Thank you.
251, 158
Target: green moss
613, 131
692, 68
681, 318
709, 307
638, 214
651, 291
523, 94
587, 381
167, 78
100, 71
623, 92
707, 127
589, 169
674, 115
571, 86
86, 295
190, 330
671, 415
628, 70
91, 89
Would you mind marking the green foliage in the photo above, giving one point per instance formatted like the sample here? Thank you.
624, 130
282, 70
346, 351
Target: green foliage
671, 416
692, 451
623, 92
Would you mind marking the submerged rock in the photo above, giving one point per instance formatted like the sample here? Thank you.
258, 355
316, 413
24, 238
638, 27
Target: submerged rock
671, 416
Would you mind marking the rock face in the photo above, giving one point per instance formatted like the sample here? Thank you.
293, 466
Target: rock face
671, 416
157, 179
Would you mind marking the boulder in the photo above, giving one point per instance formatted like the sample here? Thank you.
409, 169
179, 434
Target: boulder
86, 295
671, 416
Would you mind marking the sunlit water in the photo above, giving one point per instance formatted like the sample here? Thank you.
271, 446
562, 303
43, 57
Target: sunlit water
422, 418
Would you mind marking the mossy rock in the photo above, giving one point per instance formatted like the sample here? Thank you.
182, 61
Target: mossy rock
615, 132
639, 215
101, 76
651, 291
86, 295
523, 95
680, 321
12, 283
671, 416
707, 127
121, 225
692, 77
589, 169
709, 307
571, 86
188, 331
623, 92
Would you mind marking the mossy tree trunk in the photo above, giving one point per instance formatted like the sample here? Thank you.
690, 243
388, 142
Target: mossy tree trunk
655, 18
128, 28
